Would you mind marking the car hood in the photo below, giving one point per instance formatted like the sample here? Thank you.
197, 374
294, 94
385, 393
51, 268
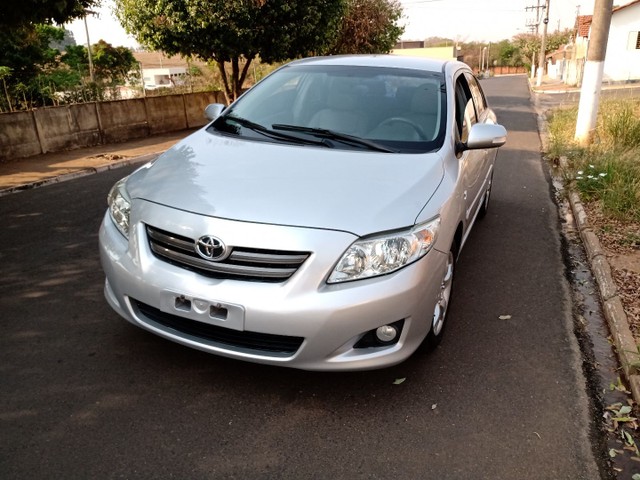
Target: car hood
356, 191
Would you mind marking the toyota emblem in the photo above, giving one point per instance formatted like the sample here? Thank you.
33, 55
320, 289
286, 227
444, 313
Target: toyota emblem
210, 248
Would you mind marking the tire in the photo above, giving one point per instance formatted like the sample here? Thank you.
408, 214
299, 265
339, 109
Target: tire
438, 321
485, 199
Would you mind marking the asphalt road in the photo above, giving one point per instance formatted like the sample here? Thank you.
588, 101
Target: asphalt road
83, 394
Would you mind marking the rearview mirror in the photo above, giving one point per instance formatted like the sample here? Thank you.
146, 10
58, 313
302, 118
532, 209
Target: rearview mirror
213, 110
486, 135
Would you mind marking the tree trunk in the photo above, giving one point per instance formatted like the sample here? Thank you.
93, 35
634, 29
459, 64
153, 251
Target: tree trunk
243, 75
228, 93
6, 93
235, 76
233, 85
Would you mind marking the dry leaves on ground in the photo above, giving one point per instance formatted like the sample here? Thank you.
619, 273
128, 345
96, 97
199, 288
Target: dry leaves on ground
621, 241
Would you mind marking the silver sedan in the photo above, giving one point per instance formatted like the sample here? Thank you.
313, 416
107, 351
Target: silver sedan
314, 223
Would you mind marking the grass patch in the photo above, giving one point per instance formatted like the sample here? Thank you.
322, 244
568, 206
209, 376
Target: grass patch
608, 171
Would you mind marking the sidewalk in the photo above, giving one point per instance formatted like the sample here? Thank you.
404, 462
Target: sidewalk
31, 172
551, 86
557, 86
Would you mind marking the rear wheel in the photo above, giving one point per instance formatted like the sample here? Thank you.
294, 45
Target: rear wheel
438, 321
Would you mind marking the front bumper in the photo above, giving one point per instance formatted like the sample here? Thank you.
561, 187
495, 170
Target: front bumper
319, 324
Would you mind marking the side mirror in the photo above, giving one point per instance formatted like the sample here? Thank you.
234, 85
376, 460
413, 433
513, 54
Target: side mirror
213, 110
486, 135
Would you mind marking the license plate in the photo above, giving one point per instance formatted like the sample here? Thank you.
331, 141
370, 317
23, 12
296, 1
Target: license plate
212, 312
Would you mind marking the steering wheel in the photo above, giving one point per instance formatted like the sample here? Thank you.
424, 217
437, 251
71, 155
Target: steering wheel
418, 129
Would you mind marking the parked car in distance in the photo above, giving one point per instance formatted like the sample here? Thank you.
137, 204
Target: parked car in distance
315, 223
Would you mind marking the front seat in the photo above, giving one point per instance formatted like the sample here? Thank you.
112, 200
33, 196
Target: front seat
424, 109
341, 113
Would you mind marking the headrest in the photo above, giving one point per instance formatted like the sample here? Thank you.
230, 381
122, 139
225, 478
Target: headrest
425, 99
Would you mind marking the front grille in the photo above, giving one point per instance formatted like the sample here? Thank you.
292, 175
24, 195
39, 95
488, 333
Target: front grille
244, 341
242, 264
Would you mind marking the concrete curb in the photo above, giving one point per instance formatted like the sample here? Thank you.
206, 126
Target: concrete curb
613, 309
612, 304
80, 173
626, 347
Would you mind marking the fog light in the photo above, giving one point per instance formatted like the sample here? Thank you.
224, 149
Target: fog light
384, 336
386, 333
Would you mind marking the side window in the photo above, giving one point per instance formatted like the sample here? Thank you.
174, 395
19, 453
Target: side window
465, 110
478, 95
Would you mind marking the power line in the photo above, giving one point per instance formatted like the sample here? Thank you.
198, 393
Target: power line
535, 24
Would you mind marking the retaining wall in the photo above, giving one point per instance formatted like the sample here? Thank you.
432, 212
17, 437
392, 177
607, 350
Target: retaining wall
54, 129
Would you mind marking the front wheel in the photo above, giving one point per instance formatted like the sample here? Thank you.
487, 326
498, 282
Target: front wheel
443, 301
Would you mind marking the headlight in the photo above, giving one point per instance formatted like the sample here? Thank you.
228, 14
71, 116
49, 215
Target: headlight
371, 257
120, 206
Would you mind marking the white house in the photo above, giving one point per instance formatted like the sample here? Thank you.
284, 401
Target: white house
622, 62
163, 77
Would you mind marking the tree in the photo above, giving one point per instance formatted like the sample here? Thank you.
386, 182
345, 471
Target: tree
369, 26
26, 52
556, 40
67, 41
113, 65
529, 43
5, 72
15, 14
75, 56
508, 53
233, 32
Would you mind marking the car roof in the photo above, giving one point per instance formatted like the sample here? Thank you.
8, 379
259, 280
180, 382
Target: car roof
389, 61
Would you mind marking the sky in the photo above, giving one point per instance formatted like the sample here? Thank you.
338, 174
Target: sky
461, 20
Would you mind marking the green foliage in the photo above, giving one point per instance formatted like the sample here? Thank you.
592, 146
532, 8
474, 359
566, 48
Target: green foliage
233, 32
26, 53
68, 40
34, 74
561, 128
621, 123
369, 26
113, 65
608, 170
508, 54
16, 14
529, 44
77, 59
26, 50
556, 40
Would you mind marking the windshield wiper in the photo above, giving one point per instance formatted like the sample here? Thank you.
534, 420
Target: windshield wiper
331, 135
256, 127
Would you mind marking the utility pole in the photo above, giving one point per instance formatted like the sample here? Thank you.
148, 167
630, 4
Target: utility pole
543, 45
593, 70
534, 26
86, 29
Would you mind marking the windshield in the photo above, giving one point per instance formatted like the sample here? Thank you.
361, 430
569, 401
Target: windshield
383, 109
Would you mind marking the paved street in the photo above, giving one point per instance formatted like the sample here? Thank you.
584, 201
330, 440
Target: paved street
84, 394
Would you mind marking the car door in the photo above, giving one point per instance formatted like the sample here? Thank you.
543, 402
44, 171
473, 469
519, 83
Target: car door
473, 163
484, 113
